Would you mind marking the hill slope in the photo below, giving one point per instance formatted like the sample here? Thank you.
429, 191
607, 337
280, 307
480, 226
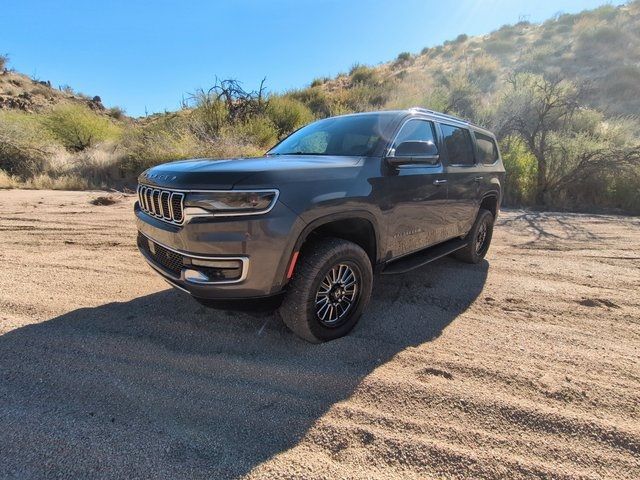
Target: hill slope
599, 50
19, 92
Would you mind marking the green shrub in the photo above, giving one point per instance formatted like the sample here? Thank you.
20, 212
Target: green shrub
162, 139
461, 38
259, 131
403, 59
362, 97
520, 167
25, 145
316, 100
288, 114
319, 81
364, 75
78, 127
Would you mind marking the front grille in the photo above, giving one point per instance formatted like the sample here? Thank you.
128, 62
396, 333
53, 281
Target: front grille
171, 261
163, 204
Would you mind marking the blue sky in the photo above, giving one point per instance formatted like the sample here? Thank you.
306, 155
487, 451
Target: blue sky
143, 56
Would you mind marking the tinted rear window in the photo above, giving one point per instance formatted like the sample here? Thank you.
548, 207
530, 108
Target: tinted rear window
487, 150
458, 143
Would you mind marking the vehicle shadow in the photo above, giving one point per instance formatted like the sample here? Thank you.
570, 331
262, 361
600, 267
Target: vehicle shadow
160, 387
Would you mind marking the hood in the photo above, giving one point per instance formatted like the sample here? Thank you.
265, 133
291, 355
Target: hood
211, 174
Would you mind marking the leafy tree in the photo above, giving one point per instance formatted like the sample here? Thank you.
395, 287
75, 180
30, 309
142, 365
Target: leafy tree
571, 145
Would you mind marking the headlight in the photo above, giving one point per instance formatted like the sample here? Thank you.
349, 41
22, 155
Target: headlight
232, 202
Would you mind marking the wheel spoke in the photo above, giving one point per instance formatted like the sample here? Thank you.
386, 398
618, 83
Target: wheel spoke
336, 294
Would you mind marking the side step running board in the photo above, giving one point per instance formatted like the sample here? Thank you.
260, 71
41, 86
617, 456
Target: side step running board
416, 260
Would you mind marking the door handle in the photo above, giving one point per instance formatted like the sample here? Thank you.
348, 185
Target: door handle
439, 182
477, 179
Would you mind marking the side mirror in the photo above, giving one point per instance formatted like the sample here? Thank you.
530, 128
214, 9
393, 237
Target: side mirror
414, 152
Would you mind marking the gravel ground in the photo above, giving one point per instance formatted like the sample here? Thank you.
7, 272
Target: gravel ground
524, 366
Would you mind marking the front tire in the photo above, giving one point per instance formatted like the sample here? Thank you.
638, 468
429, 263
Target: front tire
479, 239
330, 289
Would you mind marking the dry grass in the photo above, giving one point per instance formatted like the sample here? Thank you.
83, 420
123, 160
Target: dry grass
7, 181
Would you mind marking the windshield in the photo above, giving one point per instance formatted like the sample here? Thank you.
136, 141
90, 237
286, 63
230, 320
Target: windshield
355, 135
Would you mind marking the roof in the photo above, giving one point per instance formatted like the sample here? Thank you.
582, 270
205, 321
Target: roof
431, 113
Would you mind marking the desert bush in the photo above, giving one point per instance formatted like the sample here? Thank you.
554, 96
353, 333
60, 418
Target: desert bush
623, 83
116, 112
498, 47
25, 145
4, 61
463, 37
78, 127
363, 97
316, 100
7, 181
44, 181
100, 166
288, 114
364, 75
168, 137
403, 59
520, 167
319, 81
259, 131
483, 72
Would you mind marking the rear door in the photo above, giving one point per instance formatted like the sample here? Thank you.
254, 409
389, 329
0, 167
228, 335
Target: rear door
463, 176
414, 198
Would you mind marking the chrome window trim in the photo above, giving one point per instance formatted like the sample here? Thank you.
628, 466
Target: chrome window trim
243, 274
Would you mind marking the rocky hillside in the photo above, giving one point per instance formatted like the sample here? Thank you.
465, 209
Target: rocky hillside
598, 50
19, 92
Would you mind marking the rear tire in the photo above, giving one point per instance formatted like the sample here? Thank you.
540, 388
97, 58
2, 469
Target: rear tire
479, 239
330, 289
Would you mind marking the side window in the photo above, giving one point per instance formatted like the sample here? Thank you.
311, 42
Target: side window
487, 150
458, 143
416, 131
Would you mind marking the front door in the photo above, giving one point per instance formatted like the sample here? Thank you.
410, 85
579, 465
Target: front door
414, 198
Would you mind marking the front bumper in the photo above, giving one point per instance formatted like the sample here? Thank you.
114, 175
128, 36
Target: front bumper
261, 245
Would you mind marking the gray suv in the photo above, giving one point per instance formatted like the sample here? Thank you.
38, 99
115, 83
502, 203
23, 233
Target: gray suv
305, 227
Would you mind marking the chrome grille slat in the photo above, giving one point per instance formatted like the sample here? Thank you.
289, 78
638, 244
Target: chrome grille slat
163, 204
166, 212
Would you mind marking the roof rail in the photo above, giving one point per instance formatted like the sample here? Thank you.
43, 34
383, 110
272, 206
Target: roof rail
441, 115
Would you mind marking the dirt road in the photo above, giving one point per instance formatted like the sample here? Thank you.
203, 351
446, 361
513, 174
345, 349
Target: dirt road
527, 365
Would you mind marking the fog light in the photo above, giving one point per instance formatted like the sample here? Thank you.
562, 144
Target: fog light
195, 276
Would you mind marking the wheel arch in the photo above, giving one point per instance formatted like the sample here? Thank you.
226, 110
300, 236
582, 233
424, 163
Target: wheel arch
360, 227
491, 201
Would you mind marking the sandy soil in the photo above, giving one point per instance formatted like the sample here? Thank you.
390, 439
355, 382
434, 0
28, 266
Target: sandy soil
524, 366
